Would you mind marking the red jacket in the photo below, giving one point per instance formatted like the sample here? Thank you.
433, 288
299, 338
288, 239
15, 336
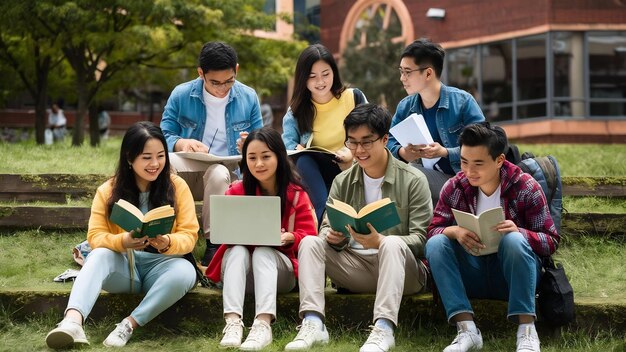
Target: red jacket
298, 218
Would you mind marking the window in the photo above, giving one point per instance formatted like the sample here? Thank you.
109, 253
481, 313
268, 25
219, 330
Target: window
568, 74
607, 73
497, 76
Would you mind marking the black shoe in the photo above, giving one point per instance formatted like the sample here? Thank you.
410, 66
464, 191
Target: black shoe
208, 253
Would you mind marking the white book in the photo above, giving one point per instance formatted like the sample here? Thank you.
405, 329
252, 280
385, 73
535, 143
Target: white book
413, 130
482, 225
230, 160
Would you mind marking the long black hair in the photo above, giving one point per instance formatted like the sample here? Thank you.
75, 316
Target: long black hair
124, 182
285, 170
301, 104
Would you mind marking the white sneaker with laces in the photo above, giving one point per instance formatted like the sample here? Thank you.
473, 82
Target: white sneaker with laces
465, 340
120, 336
259, 337
309, 334
528, 341
66, 334
380, 340
233, 333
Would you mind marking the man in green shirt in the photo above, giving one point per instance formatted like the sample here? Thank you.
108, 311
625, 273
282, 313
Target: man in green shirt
388, 263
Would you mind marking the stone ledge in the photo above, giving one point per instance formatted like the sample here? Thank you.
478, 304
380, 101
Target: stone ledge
204, 306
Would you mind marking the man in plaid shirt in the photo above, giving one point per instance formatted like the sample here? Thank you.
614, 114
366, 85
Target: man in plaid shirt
487, 181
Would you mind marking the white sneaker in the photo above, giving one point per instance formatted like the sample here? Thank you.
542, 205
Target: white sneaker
120, 336
380, 340
259, 337
66, 334
528, 341
465, 340
233, 333
309, 334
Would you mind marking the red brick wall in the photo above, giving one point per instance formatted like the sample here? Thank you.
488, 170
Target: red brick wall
468, 19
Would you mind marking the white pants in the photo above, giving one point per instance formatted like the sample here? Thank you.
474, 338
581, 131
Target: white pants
203, 180
272, 272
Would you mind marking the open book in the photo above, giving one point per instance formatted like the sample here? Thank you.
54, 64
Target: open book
482, 226
230, 160
413, 130
382, 214
158, 221
314, 149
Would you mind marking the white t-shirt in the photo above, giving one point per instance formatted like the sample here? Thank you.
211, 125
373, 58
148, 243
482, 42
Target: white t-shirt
373, 192
215, 127
485, 202
56, 119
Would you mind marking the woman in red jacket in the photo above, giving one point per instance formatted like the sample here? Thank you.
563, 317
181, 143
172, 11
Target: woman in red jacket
266, 171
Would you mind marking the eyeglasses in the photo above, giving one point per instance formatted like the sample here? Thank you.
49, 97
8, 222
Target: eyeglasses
225, 84
352, 145
407, 72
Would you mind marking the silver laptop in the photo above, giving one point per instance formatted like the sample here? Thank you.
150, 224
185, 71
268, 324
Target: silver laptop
247, 220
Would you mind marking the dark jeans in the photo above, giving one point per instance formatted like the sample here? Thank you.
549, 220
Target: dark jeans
318, 172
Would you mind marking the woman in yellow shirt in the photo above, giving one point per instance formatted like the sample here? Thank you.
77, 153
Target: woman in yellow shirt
120, 262
315, 117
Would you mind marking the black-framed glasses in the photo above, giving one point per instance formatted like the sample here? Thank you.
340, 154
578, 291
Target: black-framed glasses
407, 72
225, 84
352, 145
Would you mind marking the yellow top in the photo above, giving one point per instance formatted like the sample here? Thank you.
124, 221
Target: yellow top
104, 233
328, 122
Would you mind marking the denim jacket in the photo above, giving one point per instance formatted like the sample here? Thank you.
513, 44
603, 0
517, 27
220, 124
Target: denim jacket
292, 135
457, 109
185, 115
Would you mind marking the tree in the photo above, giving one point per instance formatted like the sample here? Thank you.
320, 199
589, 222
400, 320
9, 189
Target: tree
26, 48
373, 67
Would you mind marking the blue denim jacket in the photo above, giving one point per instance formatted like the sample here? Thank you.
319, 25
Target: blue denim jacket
291, 133
457, 109
184, 115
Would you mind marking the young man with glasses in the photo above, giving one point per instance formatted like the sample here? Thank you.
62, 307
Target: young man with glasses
388, 263
446, 110
210, 114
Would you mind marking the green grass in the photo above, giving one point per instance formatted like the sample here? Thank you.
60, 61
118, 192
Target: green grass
29, 158
30, 336
584, 159
593, 204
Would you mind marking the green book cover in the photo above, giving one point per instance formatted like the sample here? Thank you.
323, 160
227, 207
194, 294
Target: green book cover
158, 221
381, 214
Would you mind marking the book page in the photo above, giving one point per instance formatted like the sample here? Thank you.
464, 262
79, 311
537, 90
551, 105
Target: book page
129, 207
310, 150
159, 213
210, 158
413, 130
373, 206
482, 226
343, 207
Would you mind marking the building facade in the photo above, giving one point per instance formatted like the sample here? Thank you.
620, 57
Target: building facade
551, 70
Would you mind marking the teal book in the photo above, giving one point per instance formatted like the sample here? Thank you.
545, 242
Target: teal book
382, 214
158, 221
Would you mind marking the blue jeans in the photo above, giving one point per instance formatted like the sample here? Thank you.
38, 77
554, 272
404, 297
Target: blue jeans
318, 173
510, 274
164, 279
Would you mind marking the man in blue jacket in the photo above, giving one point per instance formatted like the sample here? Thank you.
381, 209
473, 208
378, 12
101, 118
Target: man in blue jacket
446, 110
210, 114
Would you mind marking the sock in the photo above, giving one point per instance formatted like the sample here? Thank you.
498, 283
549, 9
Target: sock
469, 325
314, 317
522, 328
384, 324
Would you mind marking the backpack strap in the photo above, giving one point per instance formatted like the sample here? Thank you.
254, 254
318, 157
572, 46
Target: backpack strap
359, 97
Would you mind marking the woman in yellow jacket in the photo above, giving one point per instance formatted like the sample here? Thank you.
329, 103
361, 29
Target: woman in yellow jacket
120, 262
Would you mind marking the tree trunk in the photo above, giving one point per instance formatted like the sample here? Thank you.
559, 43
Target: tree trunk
94, 131
78, 136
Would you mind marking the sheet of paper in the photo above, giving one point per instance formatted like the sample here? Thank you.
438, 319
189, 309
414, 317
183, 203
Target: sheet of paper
413, 130
210, 158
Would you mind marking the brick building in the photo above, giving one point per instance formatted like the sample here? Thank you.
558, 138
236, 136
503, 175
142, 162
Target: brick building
547, 70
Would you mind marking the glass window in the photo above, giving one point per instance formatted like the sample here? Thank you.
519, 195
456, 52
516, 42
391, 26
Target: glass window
531, 68
568, 73
531, 110
607, 72
463, 70
497, 79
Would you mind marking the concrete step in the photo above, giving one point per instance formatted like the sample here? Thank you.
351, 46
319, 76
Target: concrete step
204, 306
60, 187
